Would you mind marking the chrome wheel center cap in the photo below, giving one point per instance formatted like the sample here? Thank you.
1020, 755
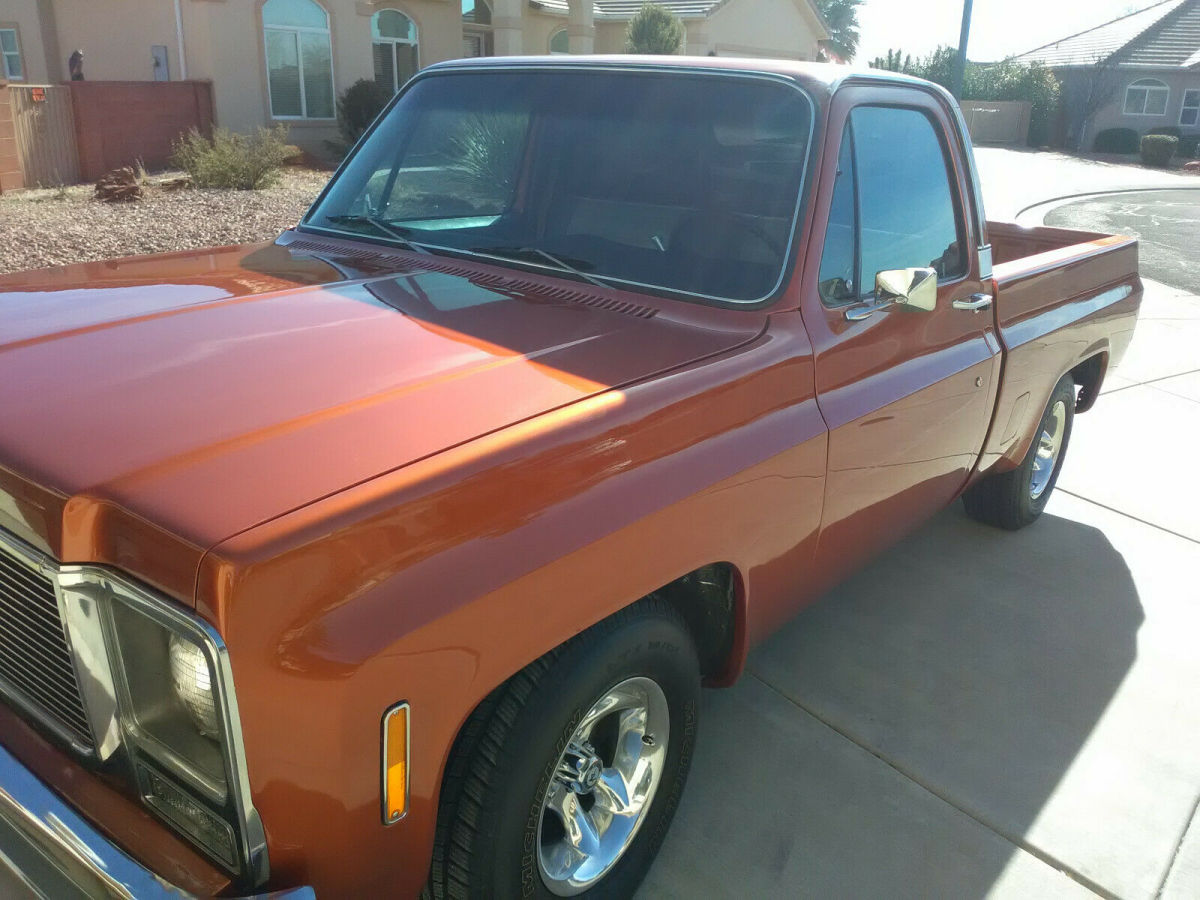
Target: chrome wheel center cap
580, 767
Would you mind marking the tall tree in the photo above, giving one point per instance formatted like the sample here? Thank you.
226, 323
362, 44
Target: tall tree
842, 18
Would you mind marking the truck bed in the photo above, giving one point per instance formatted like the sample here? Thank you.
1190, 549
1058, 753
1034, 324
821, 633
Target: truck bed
1066, 300
1011, 242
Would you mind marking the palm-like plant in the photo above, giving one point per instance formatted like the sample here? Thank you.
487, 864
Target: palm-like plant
841, 16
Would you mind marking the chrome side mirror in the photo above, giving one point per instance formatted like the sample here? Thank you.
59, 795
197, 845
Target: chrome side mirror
914, 288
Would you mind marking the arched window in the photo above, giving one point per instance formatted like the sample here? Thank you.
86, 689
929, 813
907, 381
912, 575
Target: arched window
1146, 97
559, 42
394, 42
477, 28
476, 12
299, 59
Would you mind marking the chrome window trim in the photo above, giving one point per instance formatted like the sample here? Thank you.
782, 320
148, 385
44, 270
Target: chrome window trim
252, 838
985, 262
790, 256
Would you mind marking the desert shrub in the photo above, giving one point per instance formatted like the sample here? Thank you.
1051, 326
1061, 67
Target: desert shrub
1116, 140
654, 30
358, 106
244, 162
1157, 149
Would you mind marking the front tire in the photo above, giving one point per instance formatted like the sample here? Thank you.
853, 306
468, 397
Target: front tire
1015, 499
566, 779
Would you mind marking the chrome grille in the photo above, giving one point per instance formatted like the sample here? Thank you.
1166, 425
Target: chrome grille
36, 668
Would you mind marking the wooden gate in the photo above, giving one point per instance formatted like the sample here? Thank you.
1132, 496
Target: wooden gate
45, 132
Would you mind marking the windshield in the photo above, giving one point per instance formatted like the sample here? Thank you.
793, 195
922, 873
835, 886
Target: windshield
684, 182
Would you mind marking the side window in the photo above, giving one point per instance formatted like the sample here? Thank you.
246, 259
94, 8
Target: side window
836, 280
906, 205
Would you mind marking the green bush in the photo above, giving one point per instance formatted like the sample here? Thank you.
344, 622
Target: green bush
1157, 149
358, 106
244, 162
1189, 146
1116, 140
654, 30
1010, 80
1172, 130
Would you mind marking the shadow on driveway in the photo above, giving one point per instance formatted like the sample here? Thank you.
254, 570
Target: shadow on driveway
899, 737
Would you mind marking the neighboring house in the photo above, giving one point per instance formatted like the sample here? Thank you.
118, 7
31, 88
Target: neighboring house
287, 60
1142, 71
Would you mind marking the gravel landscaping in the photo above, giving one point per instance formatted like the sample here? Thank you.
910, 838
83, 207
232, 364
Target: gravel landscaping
53, 227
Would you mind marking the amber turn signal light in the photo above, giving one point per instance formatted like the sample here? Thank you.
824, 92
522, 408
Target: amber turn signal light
395, 763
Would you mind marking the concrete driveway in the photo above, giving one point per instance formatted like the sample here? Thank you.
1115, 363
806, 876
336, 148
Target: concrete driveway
984, 713
1014, 180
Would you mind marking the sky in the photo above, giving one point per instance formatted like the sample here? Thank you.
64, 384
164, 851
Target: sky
999, 28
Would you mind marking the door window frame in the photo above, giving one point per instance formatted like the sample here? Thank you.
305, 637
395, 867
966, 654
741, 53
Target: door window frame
941, 131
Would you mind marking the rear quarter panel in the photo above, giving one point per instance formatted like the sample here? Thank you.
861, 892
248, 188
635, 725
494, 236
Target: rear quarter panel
1055, 310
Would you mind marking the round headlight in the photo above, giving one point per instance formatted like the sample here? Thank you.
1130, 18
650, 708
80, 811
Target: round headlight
193, 684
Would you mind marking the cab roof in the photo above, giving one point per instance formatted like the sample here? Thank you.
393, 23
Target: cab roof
821, 77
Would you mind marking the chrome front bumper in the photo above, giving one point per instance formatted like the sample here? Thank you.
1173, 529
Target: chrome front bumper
52, 851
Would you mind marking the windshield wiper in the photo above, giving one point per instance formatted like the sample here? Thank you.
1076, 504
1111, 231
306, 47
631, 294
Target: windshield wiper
383, 228
559, 263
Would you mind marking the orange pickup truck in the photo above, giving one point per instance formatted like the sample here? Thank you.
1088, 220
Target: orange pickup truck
390, 556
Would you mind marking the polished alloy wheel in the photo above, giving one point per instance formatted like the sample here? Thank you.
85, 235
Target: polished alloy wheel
603, 785
1049, 445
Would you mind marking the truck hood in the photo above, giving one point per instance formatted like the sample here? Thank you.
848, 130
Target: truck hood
203, 393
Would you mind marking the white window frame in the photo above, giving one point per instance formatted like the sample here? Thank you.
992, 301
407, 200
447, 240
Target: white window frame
1148, 86
1193, 107
414, 41
4, 55
550, 42
295, 31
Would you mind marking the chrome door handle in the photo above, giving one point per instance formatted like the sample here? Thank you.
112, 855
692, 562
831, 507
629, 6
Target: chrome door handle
975, 302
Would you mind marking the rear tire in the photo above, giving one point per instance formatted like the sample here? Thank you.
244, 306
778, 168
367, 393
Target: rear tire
1015, 499
506, 801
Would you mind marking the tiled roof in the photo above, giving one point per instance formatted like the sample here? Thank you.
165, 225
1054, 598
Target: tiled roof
627, 9
1173, 43
1165, 35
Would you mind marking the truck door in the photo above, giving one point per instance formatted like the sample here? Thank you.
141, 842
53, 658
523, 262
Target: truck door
906, 392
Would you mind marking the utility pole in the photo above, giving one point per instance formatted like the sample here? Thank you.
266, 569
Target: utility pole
960, 65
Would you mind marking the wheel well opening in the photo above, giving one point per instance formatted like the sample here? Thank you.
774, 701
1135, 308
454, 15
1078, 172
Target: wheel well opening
706, 599
1089, 376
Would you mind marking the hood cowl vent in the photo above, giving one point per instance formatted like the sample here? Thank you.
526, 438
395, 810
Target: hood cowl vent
511, 283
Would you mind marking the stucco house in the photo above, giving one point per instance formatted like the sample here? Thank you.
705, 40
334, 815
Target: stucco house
1142, 69
287, 60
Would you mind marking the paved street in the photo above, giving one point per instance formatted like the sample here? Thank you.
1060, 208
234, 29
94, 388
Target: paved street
984, 713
